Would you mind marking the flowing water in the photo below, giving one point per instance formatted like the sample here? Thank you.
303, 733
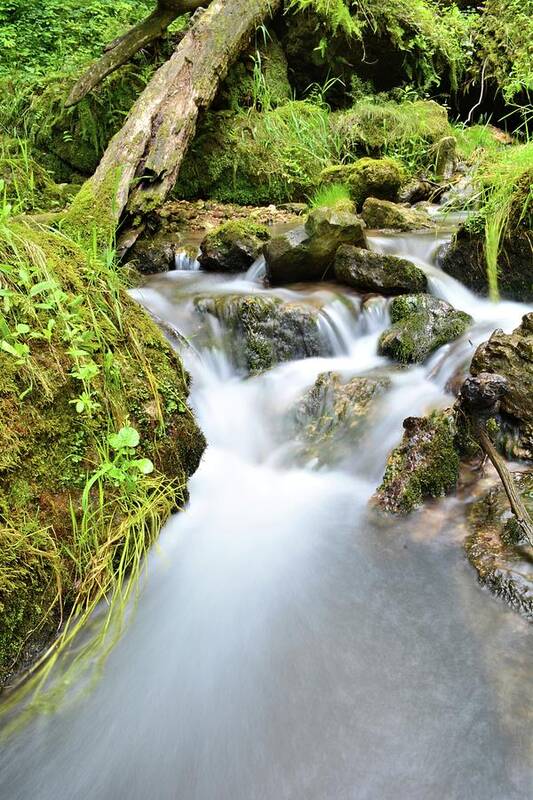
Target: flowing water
288, 643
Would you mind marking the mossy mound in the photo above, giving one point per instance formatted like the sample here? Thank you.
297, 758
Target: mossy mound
420, 324
368, 177
425, 464
79, 361
233, 246
503, 561
262, 331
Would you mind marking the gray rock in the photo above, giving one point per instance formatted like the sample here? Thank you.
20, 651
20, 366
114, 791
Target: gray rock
382, 214
262, 331
306, 253
374, 272
233, 246
154, 254
421, 324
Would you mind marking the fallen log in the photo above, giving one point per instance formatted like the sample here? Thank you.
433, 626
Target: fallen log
141, 163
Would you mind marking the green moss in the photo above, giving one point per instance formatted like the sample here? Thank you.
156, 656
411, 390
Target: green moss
48, 449
92, 214
368, 177
426, 464
226, 233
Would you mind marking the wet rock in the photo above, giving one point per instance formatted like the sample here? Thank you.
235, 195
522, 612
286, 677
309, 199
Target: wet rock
421, 324
306, 253
445, 157
374, 272
425, 464
494, 547
233, 247
458, 195
261, 331
368, 177
511, 355
332, 415
417, 191
385, 215
464, 259
153, 254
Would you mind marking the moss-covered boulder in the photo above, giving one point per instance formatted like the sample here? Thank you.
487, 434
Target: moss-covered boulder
233, 247
261, 331
508, 196
445, 157
464, 259
511, 355
368, 177
333, 414
374, 272
425, 464
306, 253
420, 324
154, 254
382, 214
503, 561
79, 361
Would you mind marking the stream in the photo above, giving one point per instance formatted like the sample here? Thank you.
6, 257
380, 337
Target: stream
289, 643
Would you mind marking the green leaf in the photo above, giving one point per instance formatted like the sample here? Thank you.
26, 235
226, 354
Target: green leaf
126, 437
144, 465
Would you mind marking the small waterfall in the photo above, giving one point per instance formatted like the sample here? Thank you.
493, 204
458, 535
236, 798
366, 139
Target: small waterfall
257, 271
185, 262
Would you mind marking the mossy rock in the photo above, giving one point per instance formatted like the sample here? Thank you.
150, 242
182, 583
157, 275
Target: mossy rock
421, 324
424, 465
261, 331
496, 549
307, 252
333, 414
240, 90
511, 355
49, 447
368, 177
382, 214
233, 246
374, 272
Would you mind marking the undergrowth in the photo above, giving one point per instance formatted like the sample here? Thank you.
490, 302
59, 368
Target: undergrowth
96, 442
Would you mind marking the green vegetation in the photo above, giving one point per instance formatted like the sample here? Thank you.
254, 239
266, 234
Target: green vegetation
95, 435
335, 195
434, 37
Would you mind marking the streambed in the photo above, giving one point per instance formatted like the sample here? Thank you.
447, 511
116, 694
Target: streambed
288, 643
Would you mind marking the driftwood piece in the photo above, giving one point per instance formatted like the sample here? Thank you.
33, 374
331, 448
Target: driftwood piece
122, 49
479, 400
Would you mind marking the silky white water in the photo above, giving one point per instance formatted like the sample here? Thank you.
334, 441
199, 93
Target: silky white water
287, 642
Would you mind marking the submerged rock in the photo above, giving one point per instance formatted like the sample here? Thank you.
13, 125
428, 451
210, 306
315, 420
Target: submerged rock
233, 247
425, 464
368, 177
384, 214
503, 561
306, 253
511, 355
263, 331
421, 324
332, 415
374, 272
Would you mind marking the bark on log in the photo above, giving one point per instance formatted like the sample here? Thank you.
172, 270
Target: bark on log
121, 50
146, 154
